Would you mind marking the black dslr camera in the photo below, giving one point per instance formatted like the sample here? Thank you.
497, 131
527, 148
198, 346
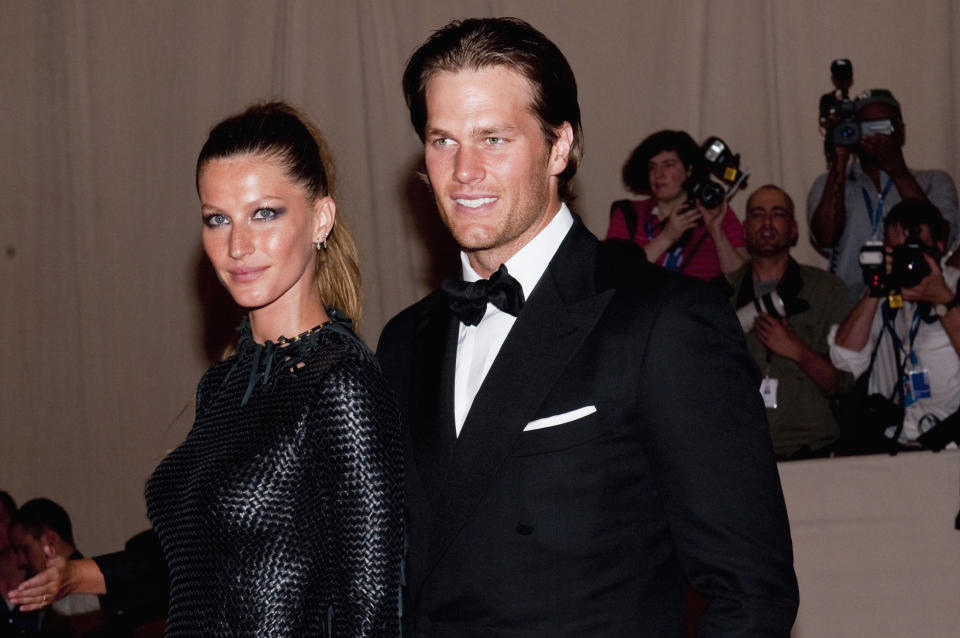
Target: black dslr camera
907, 269
725, 166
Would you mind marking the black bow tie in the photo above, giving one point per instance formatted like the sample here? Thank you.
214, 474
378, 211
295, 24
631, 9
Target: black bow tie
469, 300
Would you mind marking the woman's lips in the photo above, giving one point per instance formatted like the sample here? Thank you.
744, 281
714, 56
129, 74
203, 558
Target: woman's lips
244, 275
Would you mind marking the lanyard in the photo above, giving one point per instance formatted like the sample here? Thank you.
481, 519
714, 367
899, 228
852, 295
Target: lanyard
672, 259
876, 214
911, 335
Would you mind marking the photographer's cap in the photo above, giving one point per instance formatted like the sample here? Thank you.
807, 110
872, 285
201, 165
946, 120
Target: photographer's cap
871, 96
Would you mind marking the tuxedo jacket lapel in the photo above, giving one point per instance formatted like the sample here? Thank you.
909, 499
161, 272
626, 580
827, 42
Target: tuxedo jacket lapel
560, 313
432, 417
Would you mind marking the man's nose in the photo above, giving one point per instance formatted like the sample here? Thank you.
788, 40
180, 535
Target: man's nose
468, 165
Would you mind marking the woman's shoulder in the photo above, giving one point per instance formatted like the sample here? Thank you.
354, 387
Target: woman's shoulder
343, 366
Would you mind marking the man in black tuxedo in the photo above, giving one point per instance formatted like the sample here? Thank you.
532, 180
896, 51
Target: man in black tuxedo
585, 435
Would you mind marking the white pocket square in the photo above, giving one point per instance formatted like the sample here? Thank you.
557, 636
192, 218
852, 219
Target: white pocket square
557, 419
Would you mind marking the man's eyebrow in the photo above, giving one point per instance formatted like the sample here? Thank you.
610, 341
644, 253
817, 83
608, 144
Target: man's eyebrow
772, 208
433, 131
492, 129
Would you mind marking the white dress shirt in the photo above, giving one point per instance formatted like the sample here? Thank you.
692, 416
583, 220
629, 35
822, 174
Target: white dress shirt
477, 346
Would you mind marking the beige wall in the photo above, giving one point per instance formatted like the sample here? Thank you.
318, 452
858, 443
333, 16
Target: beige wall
106, 313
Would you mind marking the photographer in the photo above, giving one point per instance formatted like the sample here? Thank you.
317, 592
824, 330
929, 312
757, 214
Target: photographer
788, 338
912, 352
846, 205
675, 232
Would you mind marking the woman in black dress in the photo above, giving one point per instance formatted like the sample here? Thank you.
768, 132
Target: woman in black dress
280, 514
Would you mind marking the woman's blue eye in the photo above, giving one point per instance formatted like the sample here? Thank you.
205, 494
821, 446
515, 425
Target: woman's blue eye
266, 214
214, 220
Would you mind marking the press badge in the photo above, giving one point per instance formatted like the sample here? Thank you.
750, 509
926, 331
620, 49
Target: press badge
916, 386
768, 390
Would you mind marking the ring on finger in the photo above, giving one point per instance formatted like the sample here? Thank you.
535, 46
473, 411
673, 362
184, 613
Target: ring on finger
44, 602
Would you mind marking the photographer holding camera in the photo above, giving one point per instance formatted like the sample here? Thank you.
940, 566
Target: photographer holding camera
845, 206
674, 227
786, 310
905, 330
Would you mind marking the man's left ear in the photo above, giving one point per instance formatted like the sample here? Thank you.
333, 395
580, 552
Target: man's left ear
560, 151
325, 215
794, 233
49, 538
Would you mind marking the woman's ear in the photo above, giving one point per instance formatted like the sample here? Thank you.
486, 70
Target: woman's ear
325, 216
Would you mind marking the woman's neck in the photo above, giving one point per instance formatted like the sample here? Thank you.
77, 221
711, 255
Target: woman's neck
288, 320
665, 208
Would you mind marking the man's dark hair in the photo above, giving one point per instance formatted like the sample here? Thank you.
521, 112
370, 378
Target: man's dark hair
636, 172
42, 513
8, 503
913, 212
479, 43
872, 96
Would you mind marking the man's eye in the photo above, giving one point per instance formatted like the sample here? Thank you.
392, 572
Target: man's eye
495, 141
266, 214
442, 141
214, 220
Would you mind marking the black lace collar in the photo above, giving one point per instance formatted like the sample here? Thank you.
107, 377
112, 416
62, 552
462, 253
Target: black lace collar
286, 353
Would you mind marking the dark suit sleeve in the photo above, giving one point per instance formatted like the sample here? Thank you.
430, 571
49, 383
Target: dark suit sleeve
713, 465
136, 578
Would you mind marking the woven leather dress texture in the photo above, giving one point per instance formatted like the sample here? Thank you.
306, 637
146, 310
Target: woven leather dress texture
283, 516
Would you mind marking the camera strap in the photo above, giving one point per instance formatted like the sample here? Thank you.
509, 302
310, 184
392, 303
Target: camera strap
626, 208
875, 214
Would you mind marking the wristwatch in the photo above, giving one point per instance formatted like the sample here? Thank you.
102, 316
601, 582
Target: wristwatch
943, 308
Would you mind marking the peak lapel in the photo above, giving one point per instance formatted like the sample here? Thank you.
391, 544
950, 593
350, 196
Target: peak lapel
431, 402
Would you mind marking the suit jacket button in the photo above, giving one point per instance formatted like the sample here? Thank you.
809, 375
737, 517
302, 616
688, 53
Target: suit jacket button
524, 529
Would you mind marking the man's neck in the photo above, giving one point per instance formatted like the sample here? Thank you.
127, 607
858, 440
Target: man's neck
486, 262
871, 169
769, 268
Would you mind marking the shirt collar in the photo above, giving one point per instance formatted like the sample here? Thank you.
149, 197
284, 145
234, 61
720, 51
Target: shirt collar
857, 175
528, 264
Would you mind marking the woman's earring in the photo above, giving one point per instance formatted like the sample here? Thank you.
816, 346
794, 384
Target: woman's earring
320, 244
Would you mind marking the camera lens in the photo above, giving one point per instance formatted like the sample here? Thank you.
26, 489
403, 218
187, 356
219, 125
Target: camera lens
909, 267
711, 195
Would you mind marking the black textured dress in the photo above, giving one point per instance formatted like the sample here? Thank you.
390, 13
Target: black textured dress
281, 512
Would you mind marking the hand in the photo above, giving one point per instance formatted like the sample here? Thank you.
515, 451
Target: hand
680, 222
46, 587
778, 335
932, 288
842, 155
887, 152
713, 217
